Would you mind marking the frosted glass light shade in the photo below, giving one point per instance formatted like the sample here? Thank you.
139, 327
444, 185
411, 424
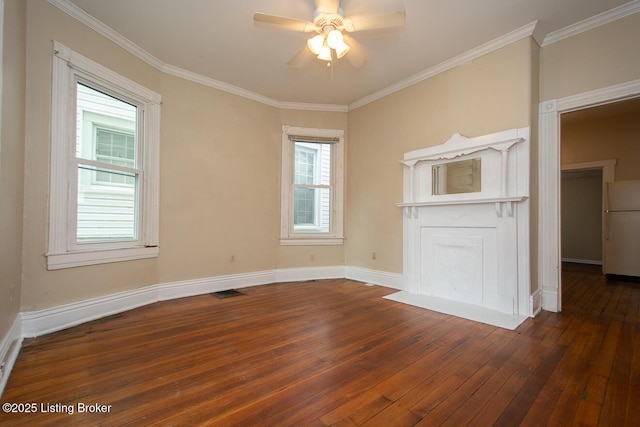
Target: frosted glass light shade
315, 44
325, 53
342, 49
334, 39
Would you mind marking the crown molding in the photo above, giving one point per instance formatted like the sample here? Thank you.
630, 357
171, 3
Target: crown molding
530, 30
593, 22
216, 84
80, 15
468, 56
313, 107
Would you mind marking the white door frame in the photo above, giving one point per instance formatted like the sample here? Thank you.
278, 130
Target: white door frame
549, 181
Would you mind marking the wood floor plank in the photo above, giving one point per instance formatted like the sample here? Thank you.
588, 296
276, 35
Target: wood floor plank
334, 352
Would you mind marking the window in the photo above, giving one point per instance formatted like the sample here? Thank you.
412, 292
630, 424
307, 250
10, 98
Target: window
312, 186
104, 165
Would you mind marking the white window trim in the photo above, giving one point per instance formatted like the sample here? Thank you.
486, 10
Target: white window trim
67, 67
287, 235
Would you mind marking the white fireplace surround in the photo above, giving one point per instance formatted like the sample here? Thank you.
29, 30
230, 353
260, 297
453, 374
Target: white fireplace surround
470, 251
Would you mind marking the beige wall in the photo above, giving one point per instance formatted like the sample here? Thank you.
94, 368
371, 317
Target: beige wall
601, 57
490, 94
616, 137
220, 164
11, 161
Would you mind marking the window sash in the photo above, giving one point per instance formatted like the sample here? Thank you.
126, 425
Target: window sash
101, 211
322, 209
69, 68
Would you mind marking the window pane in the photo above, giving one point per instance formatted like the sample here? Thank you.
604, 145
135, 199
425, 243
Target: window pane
114, 148
105, 127
305, 163
311, 210
304, 206
106, 213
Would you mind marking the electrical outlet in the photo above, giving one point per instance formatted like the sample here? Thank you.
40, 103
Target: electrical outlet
374, 255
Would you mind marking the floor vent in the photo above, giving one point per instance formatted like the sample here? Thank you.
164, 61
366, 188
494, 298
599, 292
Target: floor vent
227, 294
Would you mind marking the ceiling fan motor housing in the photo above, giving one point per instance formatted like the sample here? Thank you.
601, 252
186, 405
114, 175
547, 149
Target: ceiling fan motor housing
326, 22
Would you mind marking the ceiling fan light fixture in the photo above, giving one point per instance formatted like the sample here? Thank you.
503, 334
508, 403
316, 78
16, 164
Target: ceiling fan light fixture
325, 53
342, 50
315, 44
335, 39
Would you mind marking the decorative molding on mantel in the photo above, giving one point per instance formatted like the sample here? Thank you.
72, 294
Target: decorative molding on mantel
465, 201
459, 145
412, 211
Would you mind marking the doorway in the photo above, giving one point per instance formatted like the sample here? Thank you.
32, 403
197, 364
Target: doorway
549, 237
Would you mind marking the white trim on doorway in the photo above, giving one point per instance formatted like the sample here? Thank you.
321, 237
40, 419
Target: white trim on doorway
549, 181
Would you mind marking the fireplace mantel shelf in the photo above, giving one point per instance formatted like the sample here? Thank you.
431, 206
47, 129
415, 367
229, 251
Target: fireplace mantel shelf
463, 201
412, 211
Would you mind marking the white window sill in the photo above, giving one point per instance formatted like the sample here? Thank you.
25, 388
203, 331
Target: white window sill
311, 241
78, 259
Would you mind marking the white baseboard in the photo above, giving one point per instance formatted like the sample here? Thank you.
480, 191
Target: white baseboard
9, 350
36, 323
535, 303
187, 288
383, 278
550, 300
583, 261
309, 273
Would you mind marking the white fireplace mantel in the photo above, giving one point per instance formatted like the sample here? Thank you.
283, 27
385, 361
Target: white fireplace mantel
472, 248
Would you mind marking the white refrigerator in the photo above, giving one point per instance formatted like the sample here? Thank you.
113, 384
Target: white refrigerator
622, 228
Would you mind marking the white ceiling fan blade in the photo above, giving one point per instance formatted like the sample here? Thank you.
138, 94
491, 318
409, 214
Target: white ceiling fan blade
300, 58
356, 54
284, 22
328, 6
375, 22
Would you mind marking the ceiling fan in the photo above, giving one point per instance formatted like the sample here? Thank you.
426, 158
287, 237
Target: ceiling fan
328, 23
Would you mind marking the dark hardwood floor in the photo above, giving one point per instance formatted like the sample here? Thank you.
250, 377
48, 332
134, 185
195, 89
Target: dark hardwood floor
334, 352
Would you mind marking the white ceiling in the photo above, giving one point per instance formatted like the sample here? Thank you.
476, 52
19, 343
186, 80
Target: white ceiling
217, 39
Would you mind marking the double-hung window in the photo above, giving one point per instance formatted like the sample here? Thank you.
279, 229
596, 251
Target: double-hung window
312, 186
104, 165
